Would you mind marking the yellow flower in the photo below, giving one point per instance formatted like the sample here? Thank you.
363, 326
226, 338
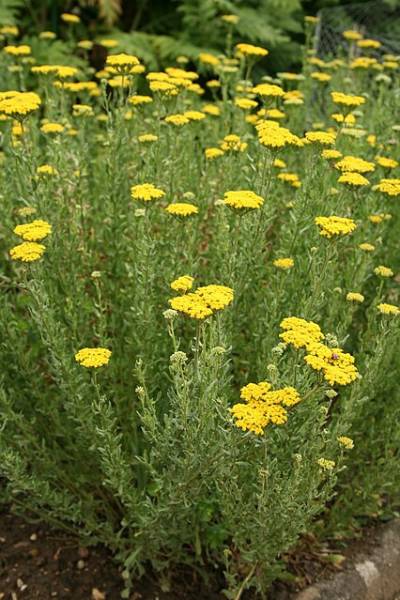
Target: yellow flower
194, 115
182, 284
279, 163
321, 137
70, 18
299, 332
26, 211
85, 44
33, 232
245, 103
146, 192
387, 163
242, 200
336, 366
138, 99
352, 164
27, 251
272, 135
211, 109
231, 19
268, 90
52, 128
391, 187
346, 442
354, 179
382, 271
347, 99
321, 77
182, 209
179, 120
82, 110
291, 178
263, 406
351, 35
209, 59
108, 43
147, 137
366, 247
250, 50
47, 35
211, 153
232, 142
347, 119
363, 62
331, 154
368, 44
9, 30
122, 63
325, 464
377, 219
355, 297
46, 170
332, 226
388, 309
22, 50
93, 357
284, 263
202, 303
19, 104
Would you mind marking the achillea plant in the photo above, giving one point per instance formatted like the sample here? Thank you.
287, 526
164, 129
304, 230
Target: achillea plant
177, 246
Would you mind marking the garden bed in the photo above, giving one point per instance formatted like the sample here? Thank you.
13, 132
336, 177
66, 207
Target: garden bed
39, 562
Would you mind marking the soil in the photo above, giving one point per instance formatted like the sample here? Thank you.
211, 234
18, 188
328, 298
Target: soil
37, 562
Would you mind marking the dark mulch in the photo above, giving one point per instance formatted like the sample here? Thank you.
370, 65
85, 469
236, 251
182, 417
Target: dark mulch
37, 562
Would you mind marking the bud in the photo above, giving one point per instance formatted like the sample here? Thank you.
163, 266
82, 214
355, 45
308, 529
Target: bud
170, 314
218, 350
330, 394
95, 274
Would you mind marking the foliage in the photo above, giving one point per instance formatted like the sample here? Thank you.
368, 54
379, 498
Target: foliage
144, 453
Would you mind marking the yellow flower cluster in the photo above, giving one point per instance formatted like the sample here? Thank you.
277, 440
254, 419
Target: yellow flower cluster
353, 164
321, 137
182, 209
272, 135
233, 143
332, 226
243, 200
182, 284
299, 332
268, 90
203, 302
284, 263
387, 163
27, 252
61, 71
18, 104
140, 99
337, 366
391, 187
346, 442
211, 153
250, 50
52, 128
326, 464
388, 309
355, 297
331, 154
122, 63
146, 192
383, 271
93, 357
263, 406
347, 99
353, 179
33, 232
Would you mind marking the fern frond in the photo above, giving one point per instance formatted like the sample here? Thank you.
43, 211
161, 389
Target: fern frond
9, 11
109, 10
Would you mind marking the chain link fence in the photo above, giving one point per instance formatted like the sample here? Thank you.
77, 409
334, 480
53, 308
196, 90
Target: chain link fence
377, 20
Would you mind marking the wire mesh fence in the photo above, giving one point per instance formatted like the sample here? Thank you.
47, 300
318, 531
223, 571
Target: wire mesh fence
377, 20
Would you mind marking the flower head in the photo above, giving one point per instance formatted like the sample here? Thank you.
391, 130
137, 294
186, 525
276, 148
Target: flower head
146, 192
284, 263
93, 357
250, 50
182, 209
27, 252
335, 226
388, 309
383, 271
182, 284
243, 200
33, 232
